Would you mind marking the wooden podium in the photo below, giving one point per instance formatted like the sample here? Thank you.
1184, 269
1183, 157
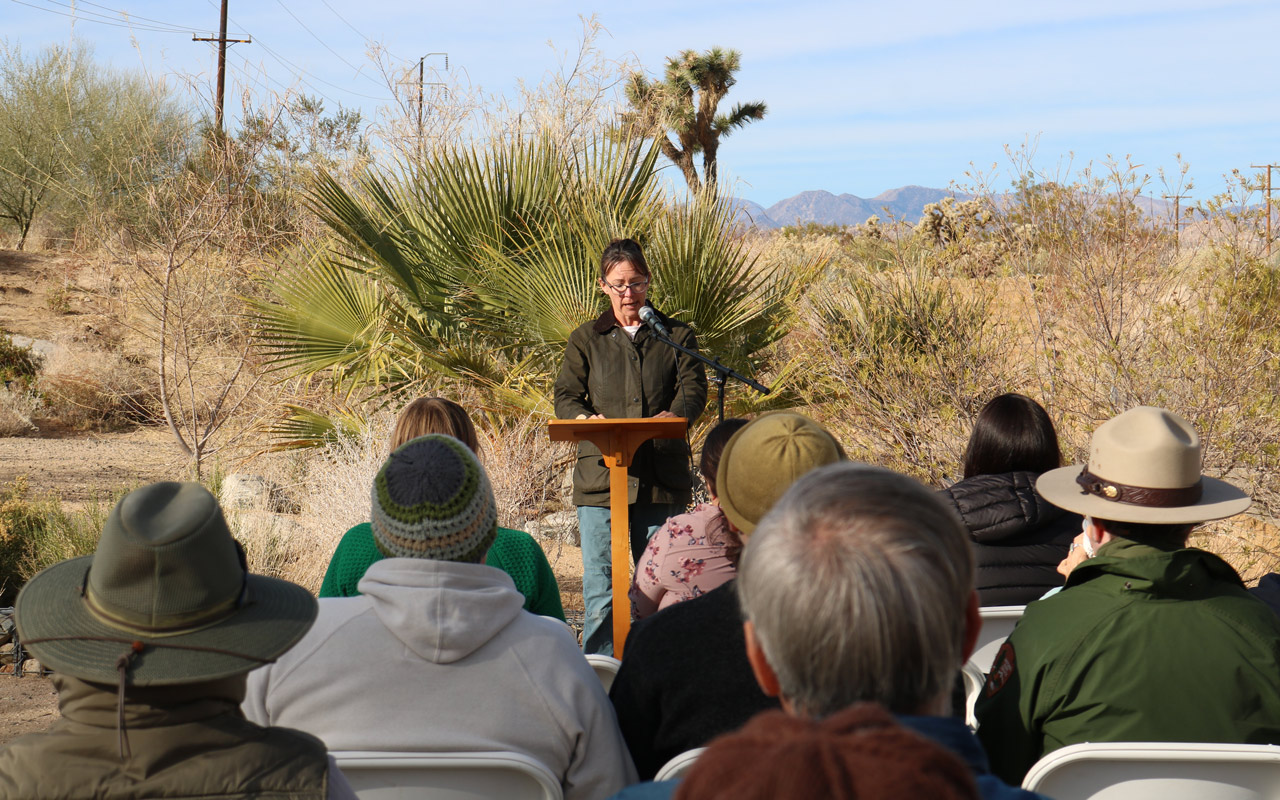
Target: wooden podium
618, 440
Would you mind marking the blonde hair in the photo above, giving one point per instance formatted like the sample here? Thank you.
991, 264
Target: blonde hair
434, 415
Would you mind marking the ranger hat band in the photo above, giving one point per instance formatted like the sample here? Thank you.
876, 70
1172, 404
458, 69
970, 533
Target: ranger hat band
1144, 467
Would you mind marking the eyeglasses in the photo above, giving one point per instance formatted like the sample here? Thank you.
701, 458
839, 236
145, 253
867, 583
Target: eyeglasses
636, 287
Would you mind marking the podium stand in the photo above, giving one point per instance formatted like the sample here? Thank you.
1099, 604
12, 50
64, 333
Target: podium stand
618, 440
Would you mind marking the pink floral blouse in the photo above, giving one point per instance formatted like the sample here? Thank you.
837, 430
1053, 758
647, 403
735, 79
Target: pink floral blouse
684, 559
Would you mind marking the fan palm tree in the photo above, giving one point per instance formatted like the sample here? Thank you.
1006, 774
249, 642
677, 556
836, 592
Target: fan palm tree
473, 268
684, 103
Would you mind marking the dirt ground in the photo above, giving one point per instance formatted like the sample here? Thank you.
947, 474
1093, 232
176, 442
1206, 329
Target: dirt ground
27, 705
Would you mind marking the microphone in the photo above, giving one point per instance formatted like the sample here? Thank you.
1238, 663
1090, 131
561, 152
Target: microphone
650, 317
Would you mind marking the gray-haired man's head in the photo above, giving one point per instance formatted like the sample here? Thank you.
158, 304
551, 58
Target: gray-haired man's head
858, 586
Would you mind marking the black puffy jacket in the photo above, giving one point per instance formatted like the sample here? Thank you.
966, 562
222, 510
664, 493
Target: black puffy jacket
1018, 536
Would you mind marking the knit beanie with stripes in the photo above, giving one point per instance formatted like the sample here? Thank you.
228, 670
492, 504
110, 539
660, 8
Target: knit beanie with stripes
432, 499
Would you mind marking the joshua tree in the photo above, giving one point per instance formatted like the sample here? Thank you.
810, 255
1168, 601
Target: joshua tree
683, 104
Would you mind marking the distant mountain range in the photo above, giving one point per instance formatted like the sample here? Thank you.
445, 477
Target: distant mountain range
904, 203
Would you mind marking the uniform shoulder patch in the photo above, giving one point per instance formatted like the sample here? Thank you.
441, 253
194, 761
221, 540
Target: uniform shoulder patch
1001, 670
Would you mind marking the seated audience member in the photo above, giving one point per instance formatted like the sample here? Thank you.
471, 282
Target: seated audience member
684, 677
448, 660
1018, 537
1150, 640
858, 588
1268, 591
514, 552
692, 553
859, 753
150, 640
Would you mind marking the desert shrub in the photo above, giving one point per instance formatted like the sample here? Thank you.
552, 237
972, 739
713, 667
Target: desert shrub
897, 359
36, 532
18, 365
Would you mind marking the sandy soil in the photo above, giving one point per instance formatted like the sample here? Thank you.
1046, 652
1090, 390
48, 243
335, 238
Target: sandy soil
80, 467
27, 704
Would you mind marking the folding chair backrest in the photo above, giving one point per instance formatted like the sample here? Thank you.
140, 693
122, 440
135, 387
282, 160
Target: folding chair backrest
678, 766
974, 680
1158, 771
447, 776
997, 624
606, 668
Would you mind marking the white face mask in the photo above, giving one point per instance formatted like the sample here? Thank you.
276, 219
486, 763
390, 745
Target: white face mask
1090, 547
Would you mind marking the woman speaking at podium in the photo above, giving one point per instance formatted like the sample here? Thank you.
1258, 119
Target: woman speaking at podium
615, 367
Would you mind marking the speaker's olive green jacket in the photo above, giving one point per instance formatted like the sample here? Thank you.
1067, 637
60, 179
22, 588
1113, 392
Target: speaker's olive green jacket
606, 372
1143, 645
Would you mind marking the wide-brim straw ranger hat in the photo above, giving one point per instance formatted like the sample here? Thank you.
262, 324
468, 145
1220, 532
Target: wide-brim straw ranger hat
166, 599
1144, 466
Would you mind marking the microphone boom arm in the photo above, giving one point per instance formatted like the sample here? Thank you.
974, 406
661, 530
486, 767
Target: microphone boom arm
721, 370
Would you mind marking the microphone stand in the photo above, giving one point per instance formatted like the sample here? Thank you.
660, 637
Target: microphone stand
721, 370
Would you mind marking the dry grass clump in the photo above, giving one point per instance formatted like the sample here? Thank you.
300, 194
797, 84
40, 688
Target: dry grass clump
18, 409
97, 388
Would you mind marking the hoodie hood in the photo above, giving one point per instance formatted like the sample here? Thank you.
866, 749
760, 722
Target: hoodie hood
441, 610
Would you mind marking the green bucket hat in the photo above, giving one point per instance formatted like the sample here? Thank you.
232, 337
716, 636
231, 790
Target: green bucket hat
764, 458
166, 597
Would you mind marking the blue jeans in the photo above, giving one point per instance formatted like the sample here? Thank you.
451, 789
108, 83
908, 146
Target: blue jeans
597, 564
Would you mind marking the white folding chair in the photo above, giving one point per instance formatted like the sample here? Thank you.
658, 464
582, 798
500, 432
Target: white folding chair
997, 624
974, 680
447, 776
678, 766
1158, 771
606, 668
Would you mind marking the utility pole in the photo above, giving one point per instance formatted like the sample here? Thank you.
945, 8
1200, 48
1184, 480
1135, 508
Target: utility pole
1267, 189
421, 75
222, 41
1177, 219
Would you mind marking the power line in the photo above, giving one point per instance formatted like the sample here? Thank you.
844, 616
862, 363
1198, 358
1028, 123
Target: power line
129, 15
77, 16
299, 71
318, 39
344, 19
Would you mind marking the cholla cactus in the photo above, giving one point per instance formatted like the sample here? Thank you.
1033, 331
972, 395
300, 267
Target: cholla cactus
871, 229
948, 222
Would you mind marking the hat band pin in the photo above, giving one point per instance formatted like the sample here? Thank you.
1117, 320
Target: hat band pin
1139, 495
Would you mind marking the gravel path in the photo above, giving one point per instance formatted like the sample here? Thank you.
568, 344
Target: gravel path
90, 465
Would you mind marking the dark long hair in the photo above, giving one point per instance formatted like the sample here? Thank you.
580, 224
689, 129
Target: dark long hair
1013, 434
712, 449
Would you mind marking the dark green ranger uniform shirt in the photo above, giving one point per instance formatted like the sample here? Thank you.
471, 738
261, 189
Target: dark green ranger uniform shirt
1141, 645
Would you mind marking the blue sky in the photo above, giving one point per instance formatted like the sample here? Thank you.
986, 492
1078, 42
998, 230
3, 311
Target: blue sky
862, 97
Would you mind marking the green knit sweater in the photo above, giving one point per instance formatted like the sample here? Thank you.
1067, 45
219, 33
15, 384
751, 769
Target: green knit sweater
513, 552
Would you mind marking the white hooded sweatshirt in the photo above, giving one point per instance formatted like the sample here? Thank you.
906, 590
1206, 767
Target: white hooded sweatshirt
436, 656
